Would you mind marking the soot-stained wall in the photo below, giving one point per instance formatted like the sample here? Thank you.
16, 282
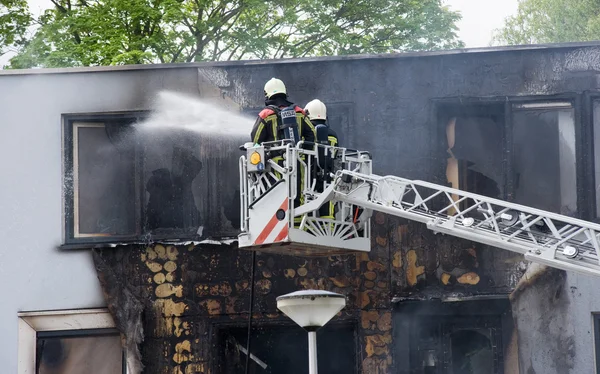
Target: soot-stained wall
185, 294
181, 295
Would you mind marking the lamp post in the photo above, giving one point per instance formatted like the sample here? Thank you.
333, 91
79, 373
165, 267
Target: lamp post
311, 309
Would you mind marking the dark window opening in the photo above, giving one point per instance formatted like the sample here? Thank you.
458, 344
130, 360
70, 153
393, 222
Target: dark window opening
544, 157
284, 349
171, 170
452, 338
475, 155
534, 164
472, 351
124, 184
80, 351
456, 345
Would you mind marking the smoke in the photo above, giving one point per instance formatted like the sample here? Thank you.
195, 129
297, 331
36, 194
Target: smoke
174, 111
185, 155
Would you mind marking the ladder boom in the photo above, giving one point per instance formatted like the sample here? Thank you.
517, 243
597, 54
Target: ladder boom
552, 239
274, 218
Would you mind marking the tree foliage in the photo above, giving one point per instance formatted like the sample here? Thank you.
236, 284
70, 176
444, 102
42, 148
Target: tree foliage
552, 21
14, 20
109, 32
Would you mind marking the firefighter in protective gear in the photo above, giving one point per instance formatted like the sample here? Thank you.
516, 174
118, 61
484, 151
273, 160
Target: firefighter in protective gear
274, 122
268, 127
317, 113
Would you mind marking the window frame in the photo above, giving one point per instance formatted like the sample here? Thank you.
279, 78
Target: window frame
581, 118
62, 322
482, 308
71, 236
587, 144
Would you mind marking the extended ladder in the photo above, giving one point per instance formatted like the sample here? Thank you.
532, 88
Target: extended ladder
548, 238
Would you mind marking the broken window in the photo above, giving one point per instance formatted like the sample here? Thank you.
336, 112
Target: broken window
284, 349
544, 157
79, 352
452, 338
540, 152
475, 154
125, 184
472, 351
171, 167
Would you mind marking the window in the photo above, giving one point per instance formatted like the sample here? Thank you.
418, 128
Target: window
475, 156
544, 157
464, 337
284, 349
472, 350
453, 345
69, 342
101, 205
522, 152
124, 183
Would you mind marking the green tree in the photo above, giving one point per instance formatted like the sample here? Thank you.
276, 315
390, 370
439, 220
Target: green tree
109, 32
551, 21
14, 20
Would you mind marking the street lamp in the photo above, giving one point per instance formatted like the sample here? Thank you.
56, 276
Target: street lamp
311, 309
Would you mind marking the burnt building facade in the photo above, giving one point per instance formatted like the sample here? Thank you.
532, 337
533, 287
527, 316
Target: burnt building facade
158, 212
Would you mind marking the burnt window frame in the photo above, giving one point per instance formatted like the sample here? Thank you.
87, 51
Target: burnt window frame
487, 310
217, 329
70, 240
582, 112
588, 146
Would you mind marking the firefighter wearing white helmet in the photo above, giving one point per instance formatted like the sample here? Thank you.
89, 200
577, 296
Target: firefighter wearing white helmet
317, 113
274, 87
271, 125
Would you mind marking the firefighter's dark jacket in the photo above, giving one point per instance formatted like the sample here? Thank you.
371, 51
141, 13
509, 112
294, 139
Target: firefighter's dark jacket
265, 127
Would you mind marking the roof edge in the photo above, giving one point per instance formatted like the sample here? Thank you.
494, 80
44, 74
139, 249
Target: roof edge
209, 64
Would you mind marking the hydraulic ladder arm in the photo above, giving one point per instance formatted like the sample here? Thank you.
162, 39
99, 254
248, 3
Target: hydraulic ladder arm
552, 239
548, 238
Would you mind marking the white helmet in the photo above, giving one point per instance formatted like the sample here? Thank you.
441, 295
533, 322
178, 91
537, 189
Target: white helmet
274, 86
316, 110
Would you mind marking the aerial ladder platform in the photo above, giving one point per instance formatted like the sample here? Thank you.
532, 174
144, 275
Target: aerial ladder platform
283, 187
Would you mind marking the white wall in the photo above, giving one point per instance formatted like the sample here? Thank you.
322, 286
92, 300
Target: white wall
35, 274
555, 324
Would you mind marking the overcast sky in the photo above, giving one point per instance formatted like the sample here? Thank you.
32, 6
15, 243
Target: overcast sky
480, 18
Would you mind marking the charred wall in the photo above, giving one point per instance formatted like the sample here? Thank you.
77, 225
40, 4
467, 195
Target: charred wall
182, 296
389, 106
